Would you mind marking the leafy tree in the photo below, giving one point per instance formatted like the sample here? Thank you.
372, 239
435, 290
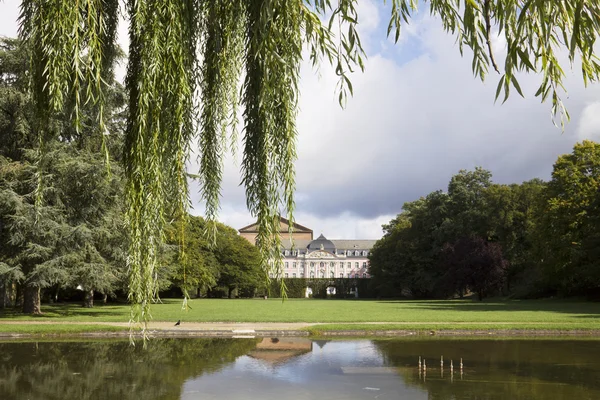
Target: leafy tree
239, 262
404, 261
199, 269
467, 203
231, 262
473, 264
177, 47
569, 225
513, 213
75, 236
15, 103
410, 258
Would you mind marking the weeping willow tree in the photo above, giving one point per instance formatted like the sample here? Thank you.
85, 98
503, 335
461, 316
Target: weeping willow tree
189, 58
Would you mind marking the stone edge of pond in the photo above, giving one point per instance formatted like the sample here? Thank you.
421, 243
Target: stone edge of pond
316, 333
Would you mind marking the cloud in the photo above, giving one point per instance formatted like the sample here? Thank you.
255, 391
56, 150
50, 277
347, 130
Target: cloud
589, 122
417, 117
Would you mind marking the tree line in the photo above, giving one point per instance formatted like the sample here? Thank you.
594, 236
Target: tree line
69, 232
531, 239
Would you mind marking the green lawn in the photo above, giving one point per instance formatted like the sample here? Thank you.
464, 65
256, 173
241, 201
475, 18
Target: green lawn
56, 329
454, 314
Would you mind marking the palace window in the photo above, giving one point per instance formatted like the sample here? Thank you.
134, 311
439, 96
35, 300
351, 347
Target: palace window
301, 274
294, 264
341, 274
364, 265
322, 274
287, 252
364, 275
364, 253
293, 275
312, 275
332, 264
355, 265
322, 265
332, 274
312, 265
287, 264
357, 253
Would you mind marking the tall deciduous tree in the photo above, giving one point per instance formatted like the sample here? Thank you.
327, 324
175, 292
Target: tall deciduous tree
179, 46
239, 262
473, 264
513, 214
197, 268
569, 225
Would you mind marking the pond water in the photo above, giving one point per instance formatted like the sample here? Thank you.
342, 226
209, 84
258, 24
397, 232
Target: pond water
299, 368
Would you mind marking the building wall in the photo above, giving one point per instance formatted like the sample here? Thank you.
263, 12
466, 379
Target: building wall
320, 258
314, 266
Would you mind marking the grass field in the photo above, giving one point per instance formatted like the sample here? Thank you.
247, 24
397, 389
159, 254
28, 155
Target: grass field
57, 329
455, 314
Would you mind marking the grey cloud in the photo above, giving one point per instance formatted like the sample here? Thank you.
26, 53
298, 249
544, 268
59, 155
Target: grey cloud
411, 125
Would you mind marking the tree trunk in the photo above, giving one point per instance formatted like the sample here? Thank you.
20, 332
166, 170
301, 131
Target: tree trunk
104, 298
88, 302
230, 292
198, 294
31, 300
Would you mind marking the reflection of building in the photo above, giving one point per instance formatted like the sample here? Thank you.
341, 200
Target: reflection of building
278, 350
320, 258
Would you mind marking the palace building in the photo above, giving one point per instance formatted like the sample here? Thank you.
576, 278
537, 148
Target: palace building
304, 257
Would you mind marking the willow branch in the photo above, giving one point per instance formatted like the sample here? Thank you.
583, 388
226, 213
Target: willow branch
488, 28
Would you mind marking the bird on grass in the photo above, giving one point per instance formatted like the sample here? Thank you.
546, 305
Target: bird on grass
178, 323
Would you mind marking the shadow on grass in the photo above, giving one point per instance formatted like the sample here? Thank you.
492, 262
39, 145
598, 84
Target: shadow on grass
66, 310
591, 309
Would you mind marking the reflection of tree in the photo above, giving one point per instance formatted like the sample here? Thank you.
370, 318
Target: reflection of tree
111, 370
513, 369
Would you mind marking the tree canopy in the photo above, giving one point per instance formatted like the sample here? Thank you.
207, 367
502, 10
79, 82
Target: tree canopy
76, 235
524, 240
189, 55
230, 262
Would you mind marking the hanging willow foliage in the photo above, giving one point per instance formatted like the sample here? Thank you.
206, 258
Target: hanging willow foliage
186, 63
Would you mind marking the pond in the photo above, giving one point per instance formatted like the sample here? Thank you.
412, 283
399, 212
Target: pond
300, 368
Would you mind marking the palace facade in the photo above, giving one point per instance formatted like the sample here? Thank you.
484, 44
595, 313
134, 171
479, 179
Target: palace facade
304, 257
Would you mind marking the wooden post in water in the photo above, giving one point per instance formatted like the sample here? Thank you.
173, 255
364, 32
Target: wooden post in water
461, 369
419, 363
442, 366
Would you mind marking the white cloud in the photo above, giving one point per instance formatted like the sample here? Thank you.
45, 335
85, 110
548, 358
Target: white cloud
589, 122
417, 117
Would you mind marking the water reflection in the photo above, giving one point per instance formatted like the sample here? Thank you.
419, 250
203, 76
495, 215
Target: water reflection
110, 369
297, 368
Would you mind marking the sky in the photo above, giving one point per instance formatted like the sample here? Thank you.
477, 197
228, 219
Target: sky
417, 117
